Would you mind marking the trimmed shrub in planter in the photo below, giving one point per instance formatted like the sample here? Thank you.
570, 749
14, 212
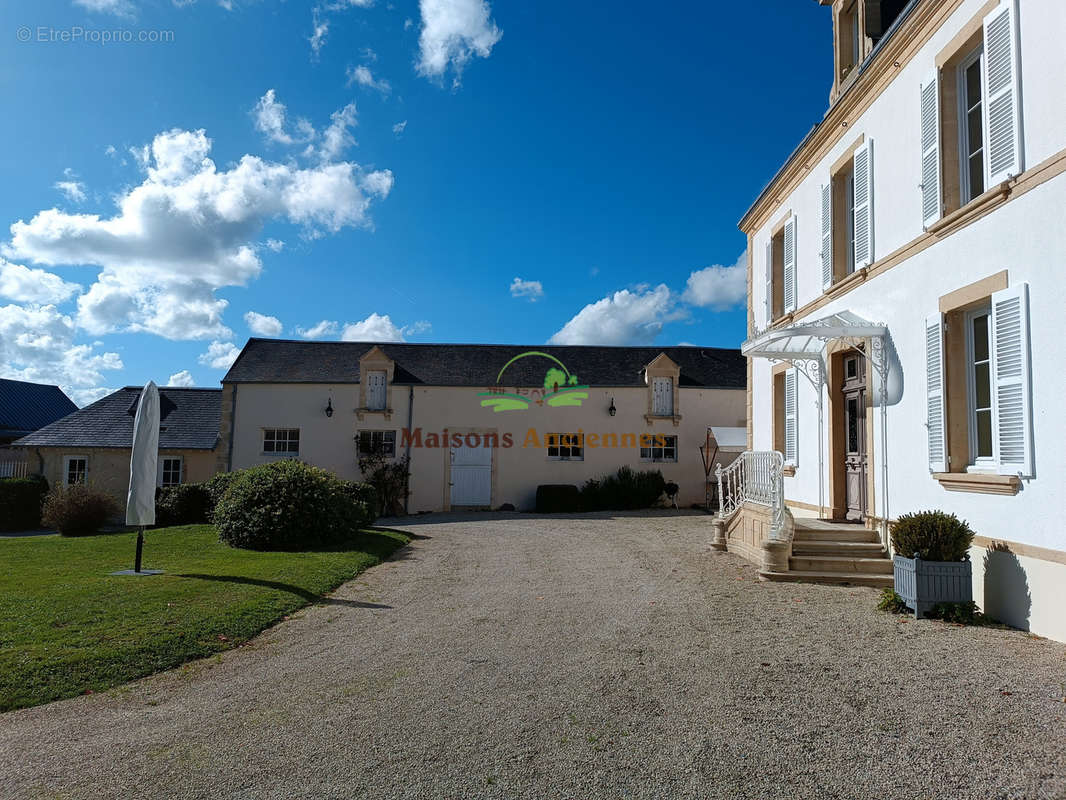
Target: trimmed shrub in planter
932, 563
21, 500
185, 504
77, 510
625, 490
558, 498
287, 505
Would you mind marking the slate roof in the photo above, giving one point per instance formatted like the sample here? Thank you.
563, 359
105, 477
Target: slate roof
287, 361
189, 420
25, 407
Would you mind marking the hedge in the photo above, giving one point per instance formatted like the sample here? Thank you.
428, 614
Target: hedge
21, 500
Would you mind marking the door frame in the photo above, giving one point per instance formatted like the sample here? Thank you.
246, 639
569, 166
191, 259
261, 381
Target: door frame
838, 490
447, 454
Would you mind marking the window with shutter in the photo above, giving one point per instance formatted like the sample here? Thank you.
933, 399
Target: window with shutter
1003, 152
863, 177
827, 235
930, 133
1011, 401
375, 391
934, 393
769, 283
790, 265
791, 418
662, 397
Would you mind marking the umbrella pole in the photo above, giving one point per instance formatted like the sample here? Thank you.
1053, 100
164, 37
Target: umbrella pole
140, 546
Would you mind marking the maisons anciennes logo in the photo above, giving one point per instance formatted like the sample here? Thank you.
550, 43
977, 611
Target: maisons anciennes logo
560, 388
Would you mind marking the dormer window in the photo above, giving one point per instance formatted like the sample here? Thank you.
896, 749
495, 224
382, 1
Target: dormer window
849, 40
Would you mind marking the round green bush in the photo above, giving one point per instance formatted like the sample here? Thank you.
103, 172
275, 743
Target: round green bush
933, 535
77, 510
184, 504
286, 505
21, 500
216, 486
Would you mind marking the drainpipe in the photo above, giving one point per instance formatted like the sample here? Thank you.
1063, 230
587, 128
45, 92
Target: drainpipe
407, 453
232, 427
40, 461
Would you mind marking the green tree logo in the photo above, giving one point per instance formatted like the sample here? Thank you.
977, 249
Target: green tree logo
560, 387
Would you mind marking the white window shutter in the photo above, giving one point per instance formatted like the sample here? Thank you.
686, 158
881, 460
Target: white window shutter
791, 417
376, 395
790, 265
1012, 431
662, 397
863, 171
934, 393
827, 235
930, 123
769, 283
1002, 123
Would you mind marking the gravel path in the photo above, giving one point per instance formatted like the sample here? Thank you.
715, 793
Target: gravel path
510, 656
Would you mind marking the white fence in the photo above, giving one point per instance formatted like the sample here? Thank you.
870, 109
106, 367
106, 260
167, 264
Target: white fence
14, 469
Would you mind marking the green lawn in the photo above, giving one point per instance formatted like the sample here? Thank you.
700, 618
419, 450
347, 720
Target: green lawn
67, 626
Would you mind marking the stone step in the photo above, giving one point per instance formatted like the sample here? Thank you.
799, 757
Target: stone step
831, 578
876, 566
844, 534
837, 549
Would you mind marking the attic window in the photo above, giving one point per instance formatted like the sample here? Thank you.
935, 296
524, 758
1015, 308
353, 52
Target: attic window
848, 38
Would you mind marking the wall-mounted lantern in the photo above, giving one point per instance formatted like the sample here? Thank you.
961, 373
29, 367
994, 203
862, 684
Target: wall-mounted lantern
612, 410
329, 408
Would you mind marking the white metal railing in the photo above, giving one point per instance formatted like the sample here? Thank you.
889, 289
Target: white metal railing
14, 469
754, 477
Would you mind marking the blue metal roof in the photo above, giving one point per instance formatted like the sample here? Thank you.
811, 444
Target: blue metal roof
27, 407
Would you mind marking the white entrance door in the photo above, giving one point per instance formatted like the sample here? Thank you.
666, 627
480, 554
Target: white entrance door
471, 476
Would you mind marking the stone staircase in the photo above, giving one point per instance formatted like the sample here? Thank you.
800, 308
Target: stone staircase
835, 553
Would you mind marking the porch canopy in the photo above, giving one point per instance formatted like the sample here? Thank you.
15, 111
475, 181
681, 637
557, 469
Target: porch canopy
803, 344
804, 340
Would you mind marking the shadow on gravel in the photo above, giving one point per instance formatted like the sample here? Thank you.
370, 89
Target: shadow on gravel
310, 597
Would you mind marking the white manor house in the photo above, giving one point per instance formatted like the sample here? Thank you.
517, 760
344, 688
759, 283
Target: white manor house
907, 281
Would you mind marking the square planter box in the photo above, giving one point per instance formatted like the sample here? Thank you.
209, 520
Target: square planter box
923, 584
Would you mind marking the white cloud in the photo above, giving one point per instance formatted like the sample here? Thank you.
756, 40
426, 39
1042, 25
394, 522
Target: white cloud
271, 119
624, 318
399, 127
362, 76
375, 328
320, 29
319, 331
718, 287
337, 137
72, 190
220, 355
37, 344
183, 378
453, 32
110, 151
274, 245
531, 289
262, 325
25, 285
188, 230
122, 8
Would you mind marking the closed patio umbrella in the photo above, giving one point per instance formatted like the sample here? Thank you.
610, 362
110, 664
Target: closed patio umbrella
140, 504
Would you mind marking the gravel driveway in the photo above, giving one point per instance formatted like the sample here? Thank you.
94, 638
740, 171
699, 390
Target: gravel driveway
513, 656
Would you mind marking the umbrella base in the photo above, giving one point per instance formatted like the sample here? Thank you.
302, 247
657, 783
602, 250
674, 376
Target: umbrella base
134, 572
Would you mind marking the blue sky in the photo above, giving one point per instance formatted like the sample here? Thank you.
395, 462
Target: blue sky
388, 178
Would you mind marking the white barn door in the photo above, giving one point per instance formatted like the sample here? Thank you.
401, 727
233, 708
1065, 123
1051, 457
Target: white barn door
471, 476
